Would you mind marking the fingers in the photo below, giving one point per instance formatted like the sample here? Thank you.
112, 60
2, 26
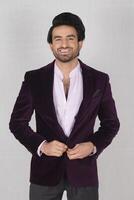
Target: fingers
75, 156
57, 153
59, 144
80, 151
55, 148
74, 152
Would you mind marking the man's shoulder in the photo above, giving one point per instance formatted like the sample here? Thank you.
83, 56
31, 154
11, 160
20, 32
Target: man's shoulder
36, 73
94, 72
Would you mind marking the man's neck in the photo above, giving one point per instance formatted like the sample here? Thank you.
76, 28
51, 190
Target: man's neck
67, 67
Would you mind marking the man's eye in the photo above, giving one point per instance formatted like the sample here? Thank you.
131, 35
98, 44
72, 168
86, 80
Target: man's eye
71, 38
57, 39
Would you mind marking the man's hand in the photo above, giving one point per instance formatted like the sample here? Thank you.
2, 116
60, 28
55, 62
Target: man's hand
80, 151
54, 148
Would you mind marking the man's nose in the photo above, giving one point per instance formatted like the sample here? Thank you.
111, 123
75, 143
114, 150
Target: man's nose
64, 43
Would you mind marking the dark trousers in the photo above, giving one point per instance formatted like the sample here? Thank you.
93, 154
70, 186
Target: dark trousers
38, 192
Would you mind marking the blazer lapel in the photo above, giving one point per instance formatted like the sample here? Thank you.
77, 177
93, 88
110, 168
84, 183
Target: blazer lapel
48, 109
88, 89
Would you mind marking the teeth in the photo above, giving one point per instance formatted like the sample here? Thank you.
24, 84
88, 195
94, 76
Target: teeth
64, 50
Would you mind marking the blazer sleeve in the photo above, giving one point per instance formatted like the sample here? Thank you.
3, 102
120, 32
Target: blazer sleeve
109, 122
21, 116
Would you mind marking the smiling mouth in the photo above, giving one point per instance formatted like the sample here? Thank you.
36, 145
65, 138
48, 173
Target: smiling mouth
64, 51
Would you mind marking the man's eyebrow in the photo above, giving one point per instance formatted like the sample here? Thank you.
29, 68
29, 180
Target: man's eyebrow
71, 35
58, 36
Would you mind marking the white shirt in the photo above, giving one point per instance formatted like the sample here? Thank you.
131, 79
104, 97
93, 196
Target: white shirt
67, 109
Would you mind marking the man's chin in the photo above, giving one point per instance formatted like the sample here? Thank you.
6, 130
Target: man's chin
66, 59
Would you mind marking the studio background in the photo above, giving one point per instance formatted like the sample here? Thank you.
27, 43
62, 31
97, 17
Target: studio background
109, 47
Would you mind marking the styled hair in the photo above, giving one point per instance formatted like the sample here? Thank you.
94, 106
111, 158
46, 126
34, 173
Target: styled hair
69, 19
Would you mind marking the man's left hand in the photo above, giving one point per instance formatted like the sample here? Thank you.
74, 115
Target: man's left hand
80, 151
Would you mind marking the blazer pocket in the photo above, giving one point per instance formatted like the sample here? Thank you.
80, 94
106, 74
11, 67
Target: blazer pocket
96, 98
97, 93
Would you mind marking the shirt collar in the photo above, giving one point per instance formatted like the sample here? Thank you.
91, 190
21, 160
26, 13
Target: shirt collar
58, 72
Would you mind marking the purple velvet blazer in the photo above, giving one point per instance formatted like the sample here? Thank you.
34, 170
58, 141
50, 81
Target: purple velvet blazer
36, 94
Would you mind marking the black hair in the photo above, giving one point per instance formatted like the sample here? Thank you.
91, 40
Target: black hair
69, 19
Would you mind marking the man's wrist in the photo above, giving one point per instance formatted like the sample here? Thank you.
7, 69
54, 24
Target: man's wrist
39, 151
94, 150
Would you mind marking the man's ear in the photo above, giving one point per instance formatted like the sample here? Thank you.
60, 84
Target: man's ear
80, 44
50, 45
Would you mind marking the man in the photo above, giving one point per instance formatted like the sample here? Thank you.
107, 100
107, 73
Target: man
67, 96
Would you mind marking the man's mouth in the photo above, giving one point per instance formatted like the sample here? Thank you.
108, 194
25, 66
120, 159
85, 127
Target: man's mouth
64, 51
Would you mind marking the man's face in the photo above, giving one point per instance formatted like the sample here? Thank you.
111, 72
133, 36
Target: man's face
65, 45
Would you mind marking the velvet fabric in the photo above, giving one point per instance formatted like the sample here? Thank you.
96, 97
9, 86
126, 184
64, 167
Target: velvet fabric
36, 95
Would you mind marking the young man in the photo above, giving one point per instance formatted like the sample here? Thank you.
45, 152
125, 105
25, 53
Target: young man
67, 96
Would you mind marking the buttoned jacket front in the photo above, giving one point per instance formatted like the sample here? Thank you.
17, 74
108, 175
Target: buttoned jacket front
36, 95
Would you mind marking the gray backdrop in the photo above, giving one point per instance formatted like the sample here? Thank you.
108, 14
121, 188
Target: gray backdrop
109, 47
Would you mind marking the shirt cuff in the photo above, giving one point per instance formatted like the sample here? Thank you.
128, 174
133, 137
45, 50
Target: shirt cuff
39, 148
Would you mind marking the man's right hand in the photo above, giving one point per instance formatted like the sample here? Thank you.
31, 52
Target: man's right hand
54, 148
